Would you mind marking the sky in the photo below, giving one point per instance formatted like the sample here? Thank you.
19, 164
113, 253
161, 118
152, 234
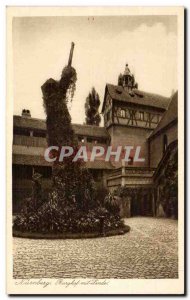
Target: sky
103, 45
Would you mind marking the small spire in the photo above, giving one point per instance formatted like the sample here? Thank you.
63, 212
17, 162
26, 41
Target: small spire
128, 79
127, 70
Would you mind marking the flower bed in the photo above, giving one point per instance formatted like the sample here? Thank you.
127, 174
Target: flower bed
70, 235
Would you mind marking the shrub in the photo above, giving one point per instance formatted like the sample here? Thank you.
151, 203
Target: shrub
55, 220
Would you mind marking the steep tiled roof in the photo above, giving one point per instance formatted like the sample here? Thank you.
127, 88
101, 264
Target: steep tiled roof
136, 97
90, 130
32, 123
86, 130
169, 116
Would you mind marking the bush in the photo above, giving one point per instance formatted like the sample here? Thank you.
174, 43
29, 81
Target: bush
69, 220
100, 193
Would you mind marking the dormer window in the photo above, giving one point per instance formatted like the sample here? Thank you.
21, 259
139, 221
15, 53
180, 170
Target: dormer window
118, 91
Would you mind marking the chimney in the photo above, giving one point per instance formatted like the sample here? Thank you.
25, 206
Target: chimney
26, 113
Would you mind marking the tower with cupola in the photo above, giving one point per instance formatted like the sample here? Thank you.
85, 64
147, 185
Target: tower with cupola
130, 115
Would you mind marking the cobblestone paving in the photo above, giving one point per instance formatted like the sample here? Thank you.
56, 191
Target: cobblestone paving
149, 250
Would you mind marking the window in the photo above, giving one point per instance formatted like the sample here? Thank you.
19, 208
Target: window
108, 115
127, 114
141, 115
22, 172
145, 116
21, 131
130, 162
102, 141
29, 132
39, 133
91, 140
122, 113
119, 112
81, 139
165, 143
149, 119
96, 140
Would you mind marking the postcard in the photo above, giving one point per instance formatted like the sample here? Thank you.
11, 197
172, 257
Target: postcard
95, 150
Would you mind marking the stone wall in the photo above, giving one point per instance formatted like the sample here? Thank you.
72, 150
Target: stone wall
156, 144
131, 136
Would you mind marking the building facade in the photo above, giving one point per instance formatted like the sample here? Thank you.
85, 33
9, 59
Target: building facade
131, 118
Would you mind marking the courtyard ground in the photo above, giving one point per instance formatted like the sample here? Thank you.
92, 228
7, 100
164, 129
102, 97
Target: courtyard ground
149, 250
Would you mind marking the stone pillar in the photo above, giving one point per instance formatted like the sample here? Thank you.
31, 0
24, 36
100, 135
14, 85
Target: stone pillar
123, 173
159, 211
126, 207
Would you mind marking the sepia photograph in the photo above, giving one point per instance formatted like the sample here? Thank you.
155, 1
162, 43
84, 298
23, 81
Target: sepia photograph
93, 138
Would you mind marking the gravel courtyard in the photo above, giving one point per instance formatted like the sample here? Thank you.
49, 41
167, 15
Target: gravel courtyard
149, 250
